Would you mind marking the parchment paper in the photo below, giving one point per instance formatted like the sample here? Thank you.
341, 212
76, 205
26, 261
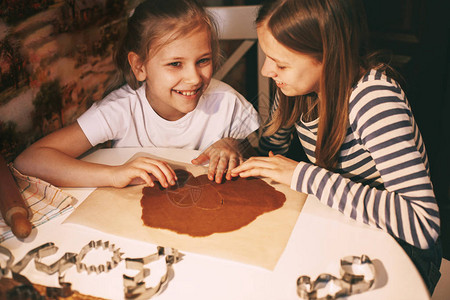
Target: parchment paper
261, 243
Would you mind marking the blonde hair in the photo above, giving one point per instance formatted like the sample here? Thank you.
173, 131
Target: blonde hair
334, 32
156, 23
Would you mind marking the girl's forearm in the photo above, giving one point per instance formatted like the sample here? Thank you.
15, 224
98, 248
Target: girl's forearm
61, 169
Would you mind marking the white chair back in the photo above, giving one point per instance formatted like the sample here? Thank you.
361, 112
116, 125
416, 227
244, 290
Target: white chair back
238, 23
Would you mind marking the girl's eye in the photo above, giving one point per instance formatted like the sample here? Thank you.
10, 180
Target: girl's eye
175, 64
204, 60
281, 67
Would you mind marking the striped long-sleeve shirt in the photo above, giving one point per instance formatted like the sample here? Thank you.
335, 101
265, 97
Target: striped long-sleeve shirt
383, 174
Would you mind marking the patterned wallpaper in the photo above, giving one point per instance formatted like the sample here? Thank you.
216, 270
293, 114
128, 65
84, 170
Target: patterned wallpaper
56, 58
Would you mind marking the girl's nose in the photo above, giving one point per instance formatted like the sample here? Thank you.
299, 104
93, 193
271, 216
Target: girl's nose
192, 75
267, 69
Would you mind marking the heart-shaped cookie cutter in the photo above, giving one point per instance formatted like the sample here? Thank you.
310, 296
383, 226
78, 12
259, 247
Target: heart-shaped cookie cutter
357, 276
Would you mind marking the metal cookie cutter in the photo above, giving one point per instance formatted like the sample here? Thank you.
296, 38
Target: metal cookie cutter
359, 272
27, 290
61, 265
357, 276
43, 250
9, 260
115, 259
70, 259
134, 287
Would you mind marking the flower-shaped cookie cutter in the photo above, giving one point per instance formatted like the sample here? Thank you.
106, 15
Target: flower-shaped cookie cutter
116, 257
134, 287
357, 276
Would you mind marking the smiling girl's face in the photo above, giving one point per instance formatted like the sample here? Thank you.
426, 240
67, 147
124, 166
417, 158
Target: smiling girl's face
293, 72
177, 74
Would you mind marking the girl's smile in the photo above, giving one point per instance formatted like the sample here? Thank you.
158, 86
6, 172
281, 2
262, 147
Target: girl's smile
279, 83
188, 93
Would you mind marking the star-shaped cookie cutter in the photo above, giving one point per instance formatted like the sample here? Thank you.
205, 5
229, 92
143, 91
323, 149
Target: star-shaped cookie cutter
135, 287
357, 276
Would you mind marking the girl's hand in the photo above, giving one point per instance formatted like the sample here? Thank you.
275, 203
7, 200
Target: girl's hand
275, 167
143, 170
223, 156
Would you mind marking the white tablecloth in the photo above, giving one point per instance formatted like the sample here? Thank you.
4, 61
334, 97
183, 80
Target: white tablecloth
321, 237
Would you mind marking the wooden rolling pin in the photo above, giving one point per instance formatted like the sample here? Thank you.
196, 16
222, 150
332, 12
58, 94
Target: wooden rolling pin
12, 205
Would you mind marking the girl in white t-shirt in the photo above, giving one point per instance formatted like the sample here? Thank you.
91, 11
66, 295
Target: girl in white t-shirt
167, 58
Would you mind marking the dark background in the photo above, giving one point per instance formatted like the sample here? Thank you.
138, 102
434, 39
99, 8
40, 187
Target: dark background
417, 32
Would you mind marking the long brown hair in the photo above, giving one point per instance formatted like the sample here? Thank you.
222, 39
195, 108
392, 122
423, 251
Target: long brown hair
334, 32
155, 23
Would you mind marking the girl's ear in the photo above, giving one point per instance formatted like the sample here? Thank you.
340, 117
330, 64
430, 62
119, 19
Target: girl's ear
137, 66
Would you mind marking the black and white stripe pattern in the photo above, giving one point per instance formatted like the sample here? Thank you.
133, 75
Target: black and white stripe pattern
383, 176
279, 142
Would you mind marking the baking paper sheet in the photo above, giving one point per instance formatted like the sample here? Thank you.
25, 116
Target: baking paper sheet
260, 243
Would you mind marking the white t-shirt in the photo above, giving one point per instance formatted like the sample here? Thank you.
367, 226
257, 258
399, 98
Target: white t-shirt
126, 117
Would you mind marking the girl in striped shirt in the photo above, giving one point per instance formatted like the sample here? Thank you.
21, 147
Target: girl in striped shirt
353, 120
